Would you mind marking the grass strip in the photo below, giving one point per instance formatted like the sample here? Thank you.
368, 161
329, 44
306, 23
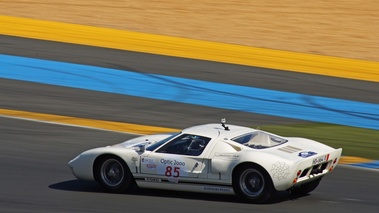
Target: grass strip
355, 141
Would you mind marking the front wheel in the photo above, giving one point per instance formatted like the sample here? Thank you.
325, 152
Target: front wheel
113, 174
253, 184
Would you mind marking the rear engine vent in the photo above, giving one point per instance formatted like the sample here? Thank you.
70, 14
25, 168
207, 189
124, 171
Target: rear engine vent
305, 172
318, 168
290, 149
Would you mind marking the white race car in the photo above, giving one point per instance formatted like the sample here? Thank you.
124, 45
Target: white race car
213, 158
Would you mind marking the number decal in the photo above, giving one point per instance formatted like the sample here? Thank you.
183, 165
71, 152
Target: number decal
176, 172
169, 172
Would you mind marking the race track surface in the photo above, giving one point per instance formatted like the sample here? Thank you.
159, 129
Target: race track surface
33, 158
35, 178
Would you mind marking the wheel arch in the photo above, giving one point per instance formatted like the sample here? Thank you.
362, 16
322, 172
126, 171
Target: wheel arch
268, 163
242, 165
264, 194
126, 182
98, 160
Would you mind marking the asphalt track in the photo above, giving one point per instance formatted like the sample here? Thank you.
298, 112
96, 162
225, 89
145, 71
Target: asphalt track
33, 157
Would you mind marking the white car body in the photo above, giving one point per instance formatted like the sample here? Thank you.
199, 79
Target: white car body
227, 160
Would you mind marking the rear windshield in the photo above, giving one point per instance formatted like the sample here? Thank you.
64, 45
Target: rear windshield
259, 140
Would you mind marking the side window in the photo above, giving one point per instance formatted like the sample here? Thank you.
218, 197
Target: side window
245, 138
185, 145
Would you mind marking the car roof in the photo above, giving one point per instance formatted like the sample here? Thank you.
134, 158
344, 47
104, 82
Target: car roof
217, 130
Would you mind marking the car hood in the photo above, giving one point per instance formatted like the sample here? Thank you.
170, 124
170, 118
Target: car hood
146, 140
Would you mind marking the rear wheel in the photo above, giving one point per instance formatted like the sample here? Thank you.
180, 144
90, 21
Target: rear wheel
113, 174
253, 184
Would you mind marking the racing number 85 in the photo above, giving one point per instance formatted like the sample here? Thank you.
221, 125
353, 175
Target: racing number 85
169, 171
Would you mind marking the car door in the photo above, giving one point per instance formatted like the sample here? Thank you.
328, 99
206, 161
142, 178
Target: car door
181, 157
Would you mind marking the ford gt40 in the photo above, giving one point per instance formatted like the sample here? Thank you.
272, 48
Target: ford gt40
213, 158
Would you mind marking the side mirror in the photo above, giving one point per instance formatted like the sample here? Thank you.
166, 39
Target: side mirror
141, 148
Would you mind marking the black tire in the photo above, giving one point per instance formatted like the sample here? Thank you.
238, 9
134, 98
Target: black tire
113, 174
253, 184
305, 188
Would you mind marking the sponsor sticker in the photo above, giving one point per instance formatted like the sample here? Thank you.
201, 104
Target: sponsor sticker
169, 162
151, 166
153, 180
227, 156
147, 160
216, 189
307, 154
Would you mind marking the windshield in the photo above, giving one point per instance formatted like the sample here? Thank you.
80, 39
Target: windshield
159, 143
259, 140
185, 144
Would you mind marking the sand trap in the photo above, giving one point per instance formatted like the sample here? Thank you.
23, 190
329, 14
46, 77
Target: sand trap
343, 28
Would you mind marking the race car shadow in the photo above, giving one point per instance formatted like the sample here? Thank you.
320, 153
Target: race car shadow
77, 185
93, 187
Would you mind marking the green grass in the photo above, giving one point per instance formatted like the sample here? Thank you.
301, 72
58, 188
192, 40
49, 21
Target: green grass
354, 141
